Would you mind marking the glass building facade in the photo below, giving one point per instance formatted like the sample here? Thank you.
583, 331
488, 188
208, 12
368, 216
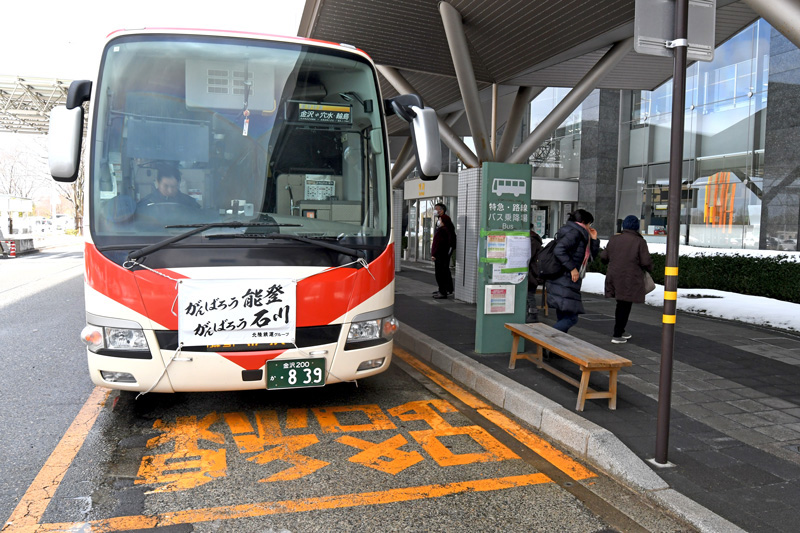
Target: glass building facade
723, 169
725, 143
740, 186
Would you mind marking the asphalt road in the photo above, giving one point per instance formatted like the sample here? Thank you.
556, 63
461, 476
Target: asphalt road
407, 450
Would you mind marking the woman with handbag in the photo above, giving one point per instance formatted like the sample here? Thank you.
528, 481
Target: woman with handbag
576, 244
628, 262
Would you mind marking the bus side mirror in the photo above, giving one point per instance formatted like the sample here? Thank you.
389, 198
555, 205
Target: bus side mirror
424, 132
66, 133
64, 143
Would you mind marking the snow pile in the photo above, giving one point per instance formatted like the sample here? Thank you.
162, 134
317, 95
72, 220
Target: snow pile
726, 305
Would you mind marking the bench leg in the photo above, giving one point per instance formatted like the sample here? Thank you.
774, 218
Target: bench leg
539, 356
584, 386
514, 347
612, 388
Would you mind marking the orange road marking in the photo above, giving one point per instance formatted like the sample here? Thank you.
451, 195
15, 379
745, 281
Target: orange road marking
424, 410
494, 450
31, 507
188, 465
326, 416
252, 510
538, 445
451, 387
273, 445
384, 456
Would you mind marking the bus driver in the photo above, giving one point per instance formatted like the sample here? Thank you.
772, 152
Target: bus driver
168, 189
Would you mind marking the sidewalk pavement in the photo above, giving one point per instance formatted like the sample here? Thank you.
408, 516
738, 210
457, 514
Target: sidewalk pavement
734, 436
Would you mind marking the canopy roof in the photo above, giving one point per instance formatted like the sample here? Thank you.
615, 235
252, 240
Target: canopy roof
538, 43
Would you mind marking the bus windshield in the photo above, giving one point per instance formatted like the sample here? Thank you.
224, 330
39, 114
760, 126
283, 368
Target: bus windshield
189, 131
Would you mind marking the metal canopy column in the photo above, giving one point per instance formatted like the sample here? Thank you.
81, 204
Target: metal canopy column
449, 138
573, 99
524, 96
400, 160
783, 15
403, 165
457, 41
403, 171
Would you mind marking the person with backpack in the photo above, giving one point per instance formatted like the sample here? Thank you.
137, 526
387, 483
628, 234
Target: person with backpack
444, 242
532, 314
576, 245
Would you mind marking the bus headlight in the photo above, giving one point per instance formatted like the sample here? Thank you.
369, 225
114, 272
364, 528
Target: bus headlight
368, 330
97, 338
364, 331
125, 339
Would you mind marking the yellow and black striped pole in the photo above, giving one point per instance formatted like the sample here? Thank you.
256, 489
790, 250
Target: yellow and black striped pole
680, 45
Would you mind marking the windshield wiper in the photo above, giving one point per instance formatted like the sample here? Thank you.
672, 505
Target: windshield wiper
352, 252
196, 228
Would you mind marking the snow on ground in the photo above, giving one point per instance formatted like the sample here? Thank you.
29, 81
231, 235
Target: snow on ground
726, 305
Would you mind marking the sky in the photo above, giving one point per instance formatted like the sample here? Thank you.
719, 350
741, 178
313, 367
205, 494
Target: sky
57, 39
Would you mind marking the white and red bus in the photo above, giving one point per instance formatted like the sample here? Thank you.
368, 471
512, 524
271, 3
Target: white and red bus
238, 210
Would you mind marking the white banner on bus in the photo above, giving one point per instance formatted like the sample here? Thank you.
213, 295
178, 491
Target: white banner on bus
242, 311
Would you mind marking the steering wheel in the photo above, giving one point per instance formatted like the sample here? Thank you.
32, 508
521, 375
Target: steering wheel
166, 213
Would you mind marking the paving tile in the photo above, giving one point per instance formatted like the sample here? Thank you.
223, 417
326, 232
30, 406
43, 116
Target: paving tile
681, 387
713, 458
751, 406
750, 436
696, 396
779, 433
750, 420
779, 417
696, 411
725, 395
723, 423
699, 385
779, 521
721, 408
747, 392
716, 440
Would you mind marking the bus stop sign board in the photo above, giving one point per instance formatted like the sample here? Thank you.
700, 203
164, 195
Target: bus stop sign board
503, 253
654, 26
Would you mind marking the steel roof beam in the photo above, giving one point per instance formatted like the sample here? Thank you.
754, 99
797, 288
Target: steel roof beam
400, 161
449, 138
783, 15
467, 83
525, 96
571, 102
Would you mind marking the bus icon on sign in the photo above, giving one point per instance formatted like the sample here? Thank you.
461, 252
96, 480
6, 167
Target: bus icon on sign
508, 186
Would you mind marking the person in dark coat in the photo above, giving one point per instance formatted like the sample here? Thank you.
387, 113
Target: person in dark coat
532, 314
576, 245
444, 241
168, 189
627, 255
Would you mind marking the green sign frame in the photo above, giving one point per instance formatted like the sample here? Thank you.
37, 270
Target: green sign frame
505, 220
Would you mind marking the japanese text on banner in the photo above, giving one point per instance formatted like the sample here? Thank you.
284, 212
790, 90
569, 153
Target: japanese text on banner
237, 311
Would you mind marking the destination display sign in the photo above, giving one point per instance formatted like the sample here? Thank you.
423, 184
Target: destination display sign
316, 113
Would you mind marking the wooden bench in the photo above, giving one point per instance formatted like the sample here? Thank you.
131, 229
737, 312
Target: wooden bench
588, 357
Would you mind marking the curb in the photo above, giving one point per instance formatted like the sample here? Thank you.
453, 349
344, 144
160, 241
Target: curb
585, 439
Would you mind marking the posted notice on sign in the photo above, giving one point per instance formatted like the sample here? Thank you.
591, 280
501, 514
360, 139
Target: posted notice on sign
236, 311
498, 299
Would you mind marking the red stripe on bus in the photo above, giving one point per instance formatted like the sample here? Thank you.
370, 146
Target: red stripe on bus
321, 298
251, 360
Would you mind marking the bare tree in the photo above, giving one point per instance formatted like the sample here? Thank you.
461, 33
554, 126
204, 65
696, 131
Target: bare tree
21, 173
73, 192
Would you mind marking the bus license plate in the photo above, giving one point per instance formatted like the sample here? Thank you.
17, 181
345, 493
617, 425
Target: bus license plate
291, 373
